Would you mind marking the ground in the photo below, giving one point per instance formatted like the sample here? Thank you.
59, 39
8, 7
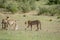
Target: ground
50, 29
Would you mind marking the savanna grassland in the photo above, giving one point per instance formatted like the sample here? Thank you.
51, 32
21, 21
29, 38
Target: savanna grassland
50, 29
46, 11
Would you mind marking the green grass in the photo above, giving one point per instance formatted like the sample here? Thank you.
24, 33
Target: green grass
50, 29
28, 35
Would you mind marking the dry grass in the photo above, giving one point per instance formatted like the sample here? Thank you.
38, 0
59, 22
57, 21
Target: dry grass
50, 29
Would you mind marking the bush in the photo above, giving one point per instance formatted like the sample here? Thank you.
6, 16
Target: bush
51, 10
28, 5
50, 19
15, 5
42, 10
58, 17
51, 2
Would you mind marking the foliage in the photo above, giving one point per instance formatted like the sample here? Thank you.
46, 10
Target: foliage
29, 5
50, 2
51, 10
22, 5
58, 17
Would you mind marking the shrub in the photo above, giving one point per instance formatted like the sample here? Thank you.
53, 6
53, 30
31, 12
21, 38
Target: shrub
58, 17
51, 2
15, 5
42, 11
50, 19
26, 5
51, 10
